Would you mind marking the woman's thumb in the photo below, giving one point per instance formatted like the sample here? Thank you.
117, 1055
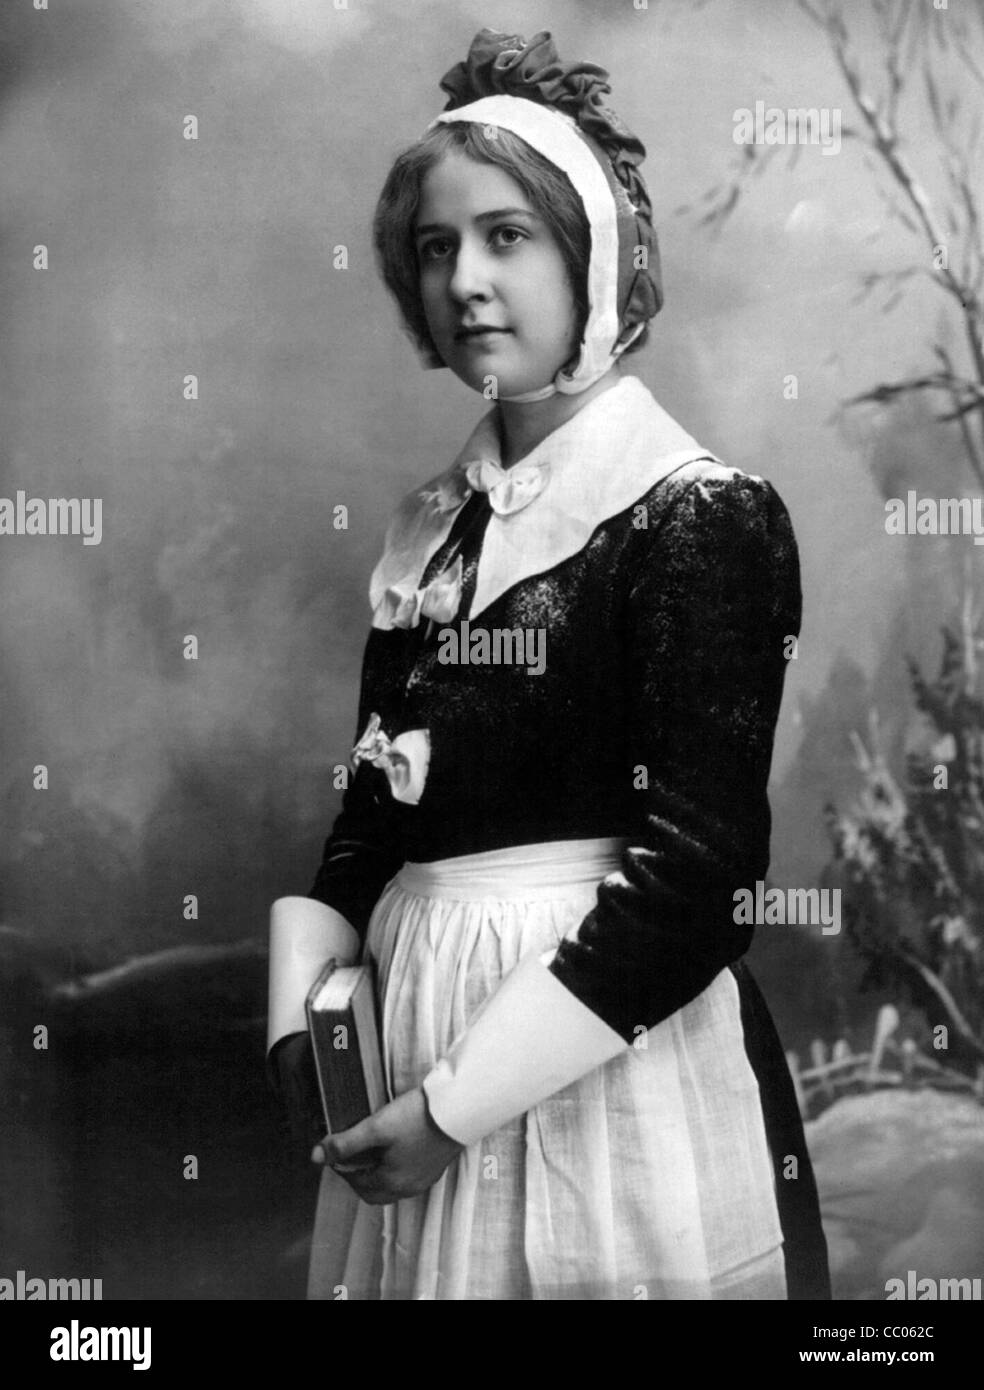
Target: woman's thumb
335, 1149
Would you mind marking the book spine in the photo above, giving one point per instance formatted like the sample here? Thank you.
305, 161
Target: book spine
340, 1071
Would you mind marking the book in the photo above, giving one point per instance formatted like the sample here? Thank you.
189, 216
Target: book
341, 1014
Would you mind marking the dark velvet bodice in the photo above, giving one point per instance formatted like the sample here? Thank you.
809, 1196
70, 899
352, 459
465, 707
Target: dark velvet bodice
666, 648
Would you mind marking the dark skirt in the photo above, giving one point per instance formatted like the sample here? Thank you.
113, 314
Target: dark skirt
804, 1244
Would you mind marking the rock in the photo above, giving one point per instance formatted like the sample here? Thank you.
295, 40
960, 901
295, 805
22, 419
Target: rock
901, 1180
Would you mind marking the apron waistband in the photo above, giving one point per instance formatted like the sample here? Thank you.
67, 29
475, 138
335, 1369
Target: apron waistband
541, 870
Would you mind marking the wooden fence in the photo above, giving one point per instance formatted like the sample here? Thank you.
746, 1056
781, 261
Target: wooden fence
890, 1062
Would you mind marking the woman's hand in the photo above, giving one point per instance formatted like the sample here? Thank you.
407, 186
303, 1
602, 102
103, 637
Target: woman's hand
398, 1152
290, 1067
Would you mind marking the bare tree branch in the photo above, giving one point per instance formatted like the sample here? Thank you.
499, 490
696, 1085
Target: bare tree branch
946, 999
885, 141
912, 37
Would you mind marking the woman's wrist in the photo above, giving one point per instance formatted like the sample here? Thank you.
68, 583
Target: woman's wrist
532, 1038
432, 1124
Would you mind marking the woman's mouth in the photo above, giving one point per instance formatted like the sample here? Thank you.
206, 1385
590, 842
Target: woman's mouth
478, 334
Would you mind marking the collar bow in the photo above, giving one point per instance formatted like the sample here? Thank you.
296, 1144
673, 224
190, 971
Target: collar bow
509, 489
404, 604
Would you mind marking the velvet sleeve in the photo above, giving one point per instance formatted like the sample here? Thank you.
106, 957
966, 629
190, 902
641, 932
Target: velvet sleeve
712, 597
364, 849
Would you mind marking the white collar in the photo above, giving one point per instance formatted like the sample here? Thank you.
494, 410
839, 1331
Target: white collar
596, 464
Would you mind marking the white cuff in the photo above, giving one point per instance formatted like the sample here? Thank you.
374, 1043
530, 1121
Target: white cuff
531, 1038
304, 935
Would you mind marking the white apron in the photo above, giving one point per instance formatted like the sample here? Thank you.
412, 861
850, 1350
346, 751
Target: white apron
648, 1178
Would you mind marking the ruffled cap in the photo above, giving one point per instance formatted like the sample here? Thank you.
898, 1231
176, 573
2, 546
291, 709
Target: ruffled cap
509, 65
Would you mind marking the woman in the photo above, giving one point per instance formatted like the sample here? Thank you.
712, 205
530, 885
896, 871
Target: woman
540, 852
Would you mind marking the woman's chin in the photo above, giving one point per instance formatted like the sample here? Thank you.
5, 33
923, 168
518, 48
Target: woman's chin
495, 385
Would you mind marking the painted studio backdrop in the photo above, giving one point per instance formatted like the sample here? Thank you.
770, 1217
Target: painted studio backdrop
195, 336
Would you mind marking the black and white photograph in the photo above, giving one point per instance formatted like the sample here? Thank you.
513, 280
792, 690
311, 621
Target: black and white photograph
492, 548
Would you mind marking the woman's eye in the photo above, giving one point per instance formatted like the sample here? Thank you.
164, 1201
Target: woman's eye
509, 236
434, 250
439, 248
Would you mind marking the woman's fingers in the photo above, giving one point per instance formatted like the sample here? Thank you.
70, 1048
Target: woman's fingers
374, 1188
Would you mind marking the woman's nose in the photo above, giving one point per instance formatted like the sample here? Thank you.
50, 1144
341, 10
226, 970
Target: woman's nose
470, 276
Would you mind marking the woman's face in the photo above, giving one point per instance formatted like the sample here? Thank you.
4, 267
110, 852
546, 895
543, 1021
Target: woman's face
487, 259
